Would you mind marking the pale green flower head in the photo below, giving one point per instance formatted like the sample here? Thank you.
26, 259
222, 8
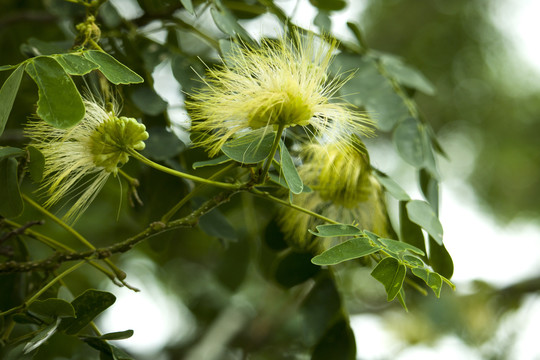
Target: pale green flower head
344, 190
84, 155
283, 82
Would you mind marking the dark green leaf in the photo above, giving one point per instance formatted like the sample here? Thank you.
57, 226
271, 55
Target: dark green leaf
391, 186
227, 22
329, 5
410, 232
421, 213
7, 95
162, 144
391, 273
288, 168
8, 151
439, 259
407, 75
107, 351
337, 343
337, 230
216, 224
118, 335
11, 204
87, 306
75, 64
399, 246
430, 188
148, 101
41, 337
114, 71
323, 22
294, 268
8, 67
433, 280
26, 319
59, 104
36, 164
52, 307
252, 148
215, 161
185, 72
414, 260
348, 250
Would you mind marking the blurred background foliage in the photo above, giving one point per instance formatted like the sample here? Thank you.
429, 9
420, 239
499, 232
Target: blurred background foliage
219, 297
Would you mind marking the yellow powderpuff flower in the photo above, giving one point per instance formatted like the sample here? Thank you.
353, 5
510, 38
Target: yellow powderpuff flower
283, 83
344, 190
85, 154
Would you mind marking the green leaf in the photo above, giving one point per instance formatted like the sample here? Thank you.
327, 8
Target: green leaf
251, 148
337, 230
430, 188
216, 224
114, 71
36, 164
75, 64
290, 173
337, 343
41, 337
87, 306
399, 246
323, 22
391, 273
439, 259
407, 75
7, 95
391, 186
212, 162
410, 232
8, 67
329, 5
293, 268
227, 22
59, 104
413, 261
421, 213
162, 144
53, 308
370, 89
148, 101
433, 280
401, 299
109, 351
348, 250
11, 204
8, 151
408, 139
118, 335
188, 6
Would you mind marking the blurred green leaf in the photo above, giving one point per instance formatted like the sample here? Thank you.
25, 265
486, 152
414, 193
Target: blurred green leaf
41, 337
212, 162
410, 232
406, 75
114, 71
53, 308
323, 22
8, 92
87, 306
118, 335
8, 67
337, 343
148, 101
11, 204
329, 5
107, 351
408, 138
391, 186
430, 188
348, 250
293, 268
227, 22
8, 151
391, 273
433, 280
75, 64
251, 148
36, 164
421, 213
337, 230
60, 103
188, 5
162, 144
216, 224
288, 168
440, 259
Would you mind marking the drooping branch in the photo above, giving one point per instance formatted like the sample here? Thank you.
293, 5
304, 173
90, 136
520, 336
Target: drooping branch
59, 257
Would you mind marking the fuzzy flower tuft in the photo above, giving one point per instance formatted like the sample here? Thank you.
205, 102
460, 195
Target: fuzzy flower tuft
84, 155
344, 189
283, 82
